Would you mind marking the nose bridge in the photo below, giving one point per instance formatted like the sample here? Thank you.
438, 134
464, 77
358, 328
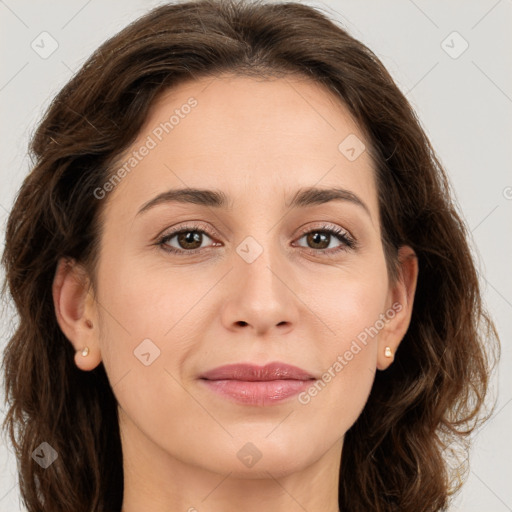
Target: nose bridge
260, 254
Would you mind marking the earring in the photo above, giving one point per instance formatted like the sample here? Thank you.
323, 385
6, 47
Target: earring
85, 351
387, 352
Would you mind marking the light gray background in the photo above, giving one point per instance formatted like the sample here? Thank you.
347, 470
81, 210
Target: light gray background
464, 103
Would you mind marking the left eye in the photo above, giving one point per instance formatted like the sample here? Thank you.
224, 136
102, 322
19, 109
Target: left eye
320, 237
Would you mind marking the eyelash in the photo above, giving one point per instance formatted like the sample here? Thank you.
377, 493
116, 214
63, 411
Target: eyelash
349, 243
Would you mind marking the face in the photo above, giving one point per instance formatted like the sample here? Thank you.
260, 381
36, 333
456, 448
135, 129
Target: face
189, 283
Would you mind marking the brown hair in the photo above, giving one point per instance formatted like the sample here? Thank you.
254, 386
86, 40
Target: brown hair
431, 396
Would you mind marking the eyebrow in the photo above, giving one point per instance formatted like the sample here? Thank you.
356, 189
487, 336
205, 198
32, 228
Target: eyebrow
304, 197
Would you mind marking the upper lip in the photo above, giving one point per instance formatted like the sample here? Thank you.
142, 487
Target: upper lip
251, 372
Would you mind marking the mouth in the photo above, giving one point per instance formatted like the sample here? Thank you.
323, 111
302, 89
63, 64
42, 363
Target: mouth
257, 385
254, 373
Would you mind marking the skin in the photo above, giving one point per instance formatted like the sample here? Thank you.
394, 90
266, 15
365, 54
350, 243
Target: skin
258, 141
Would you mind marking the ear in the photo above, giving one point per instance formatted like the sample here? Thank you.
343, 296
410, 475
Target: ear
400, 303
76, 311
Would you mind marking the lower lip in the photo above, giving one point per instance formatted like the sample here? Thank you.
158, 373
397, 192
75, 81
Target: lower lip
258, 392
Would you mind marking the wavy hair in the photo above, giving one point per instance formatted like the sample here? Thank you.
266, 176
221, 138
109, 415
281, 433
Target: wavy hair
394, 456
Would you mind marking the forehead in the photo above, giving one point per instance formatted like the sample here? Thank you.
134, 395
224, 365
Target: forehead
229, 105
242, 133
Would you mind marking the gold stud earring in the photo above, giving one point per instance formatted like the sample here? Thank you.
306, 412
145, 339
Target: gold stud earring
85, 351
387, 352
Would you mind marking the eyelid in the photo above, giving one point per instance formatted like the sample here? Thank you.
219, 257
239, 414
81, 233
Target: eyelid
191, 225
324, 227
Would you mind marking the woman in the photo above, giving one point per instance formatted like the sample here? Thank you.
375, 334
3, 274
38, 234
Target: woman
241, 279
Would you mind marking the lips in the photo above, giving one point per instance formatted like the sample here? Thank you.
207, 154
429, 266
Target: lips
254, 373
248, 384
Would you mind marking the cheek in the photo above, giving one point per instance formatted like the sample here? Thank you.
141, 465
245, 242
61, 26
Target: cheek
352, 306
143, 313
348, 302
145, 301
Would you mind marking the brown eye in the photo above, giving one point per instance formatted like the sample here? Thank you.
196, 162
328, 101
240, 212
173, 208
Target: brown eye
189, 239
318, 240
184, 241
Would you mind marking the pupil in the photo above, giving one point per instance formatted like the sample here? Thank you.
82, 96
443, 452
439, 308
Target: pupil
189, 238
317, 239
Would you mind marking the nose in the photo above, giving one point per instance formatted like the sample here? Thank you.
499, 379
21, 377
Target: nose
261, 296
